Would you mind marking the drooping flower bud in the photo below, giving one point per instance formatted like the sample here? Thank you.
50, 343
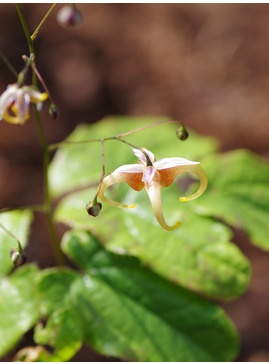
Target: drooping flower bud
54, 111
182, 133
93, 208
69, 16
18, 258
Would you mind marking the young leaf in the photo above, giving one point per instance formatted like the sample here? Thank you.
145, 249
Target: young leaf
18, 306
18, 223
198, 255
130, 312
238, 193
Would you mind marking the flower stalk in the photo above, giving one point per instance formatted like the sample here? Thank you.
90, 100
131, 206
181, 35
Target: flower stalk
47, 196
44, 146
16, 254
9, 65
34, 35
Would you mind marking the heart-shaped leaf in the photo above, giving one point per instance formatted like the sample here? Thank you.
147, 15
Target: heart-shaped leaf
198, 255
128, 311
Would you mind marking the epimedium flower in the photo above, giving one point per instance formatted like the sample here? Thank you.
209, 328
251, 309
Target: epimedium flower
15, 103
153, 175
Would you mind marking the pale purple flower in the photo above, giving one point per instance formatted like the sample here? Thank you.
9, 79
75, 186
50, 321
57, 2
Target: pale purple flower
15, 103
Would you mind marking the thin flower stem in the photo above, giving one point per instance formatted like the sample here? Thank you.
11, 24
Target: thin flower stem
73, 142
48, 203
148, 126
149, 163
22, 74
40, 208
117, 137
13, 236
70, 142
26, 30
8, 64
47, 197
41, 81
33, 36
103, 166
103, 170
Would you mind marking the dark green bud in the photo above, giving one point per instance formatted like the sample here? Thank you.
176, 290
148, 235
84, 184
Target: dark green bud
182, 133
54, 111
17, 258
94, 208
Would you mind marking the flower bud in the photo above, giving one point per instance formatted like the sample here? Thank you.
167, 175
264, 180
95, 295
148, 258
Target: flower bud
54, 111
69, 16
93, 208
182, 133
17, 258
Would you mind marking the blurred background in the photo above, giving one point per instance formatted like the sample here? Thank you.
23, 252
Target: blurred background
204, 64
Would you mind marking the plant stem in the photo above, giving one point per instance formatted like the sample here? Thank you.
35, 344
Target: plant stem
40, 208
12, 235
26, 30
8, 64
148, 126
48, 203
45, 150
38, 75
116, 137
103, 169
33, 36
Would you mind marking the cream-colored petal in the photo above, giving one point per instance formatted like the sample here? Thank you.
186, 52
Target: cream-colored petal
141, 156
203, 181
153, 190
13, 119
130, 168
7, 98
148, 174
133, 180
37, 96
164, 163
22, 104
169, 174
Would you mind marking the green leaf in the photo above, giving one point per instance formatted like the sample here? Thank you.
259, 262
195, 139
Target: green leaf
18, 306
18, 223
130, 312
81, 164
62, 333
238, 193
198, 255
